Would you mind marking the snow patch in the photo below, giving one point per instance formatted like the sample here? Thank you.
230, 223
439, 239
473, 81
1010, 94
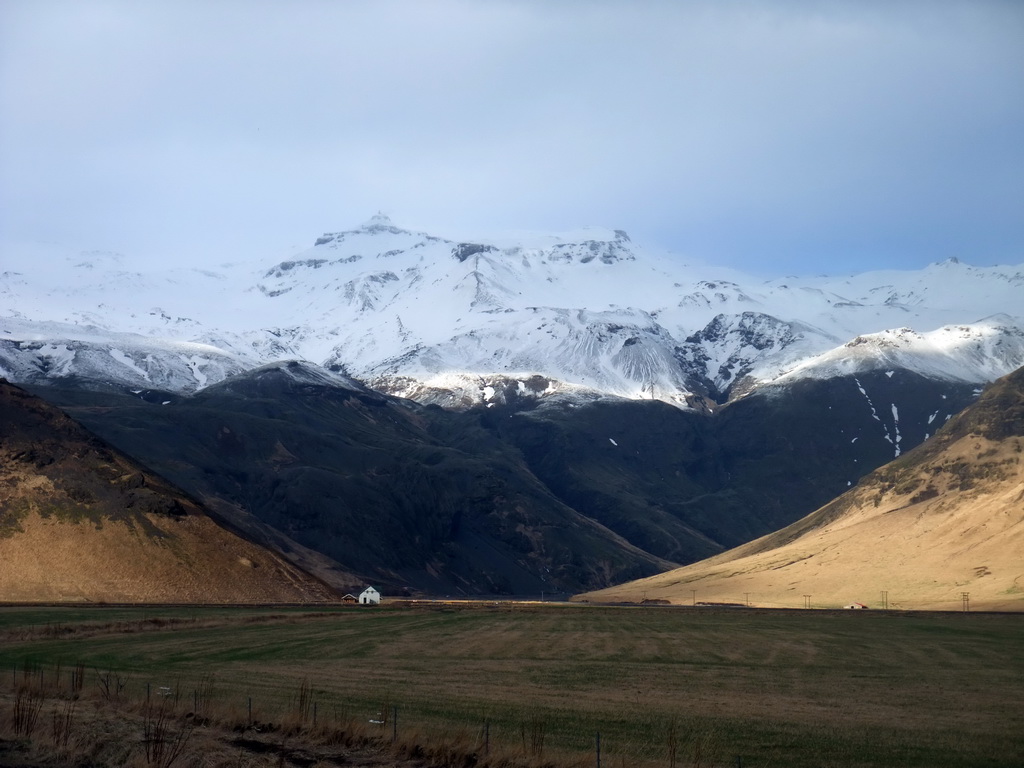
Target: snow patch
896, 428
58, 359
894, 438
194, 363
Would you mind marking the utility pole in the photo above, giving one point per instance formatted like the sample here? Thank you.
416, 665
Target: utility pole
746, 596
966, 598
885, 599
693, 594
807, 601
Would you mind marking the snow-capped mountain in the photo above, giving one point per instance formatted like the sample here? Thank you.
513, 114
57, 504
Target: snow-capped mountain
456, 321
35, 352
282, 427
981, 351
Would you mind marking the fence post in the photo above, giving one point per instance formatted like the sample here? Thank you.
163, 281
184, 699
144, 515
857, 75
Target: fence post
314, 714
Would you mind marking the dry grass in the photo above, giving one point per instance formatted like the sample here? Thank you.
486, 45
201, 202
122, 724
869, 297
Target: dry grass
532, 686
922, 535
168, 732
192, 560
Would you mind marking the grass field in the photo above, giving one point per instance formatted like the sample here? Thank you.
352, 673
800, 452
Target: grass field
535, 684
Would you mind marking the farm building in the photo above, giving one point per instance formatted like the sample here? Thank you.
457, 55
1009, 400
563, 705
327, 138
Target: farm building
855, 606
349, 598
369, 596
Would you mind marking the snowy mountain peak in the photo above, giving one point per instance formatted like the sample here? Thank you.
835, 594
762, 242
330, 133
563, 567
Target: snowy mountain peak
463, 251
376, 225
588, 309
288, 374
975, 353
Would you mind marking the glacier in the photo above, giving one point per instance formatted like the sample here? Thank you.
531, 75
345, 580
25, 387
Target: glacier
585, 314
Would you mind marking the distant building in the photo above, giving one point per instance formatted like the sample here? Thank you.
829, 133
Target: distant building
855, 606
369, 596
349, 598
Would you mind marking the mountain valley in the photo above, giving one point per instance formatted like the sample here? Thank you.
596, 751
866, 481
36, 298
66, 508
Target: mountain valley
941, 528
509, 415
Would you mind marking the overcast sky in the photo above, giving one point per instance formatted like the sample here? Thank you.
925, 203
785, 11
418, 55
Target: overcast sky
779, 137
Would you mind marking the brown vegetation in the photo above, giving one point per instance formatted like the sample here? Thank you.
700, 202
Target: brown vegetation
942, 522
45, 723
524, 685
81, 522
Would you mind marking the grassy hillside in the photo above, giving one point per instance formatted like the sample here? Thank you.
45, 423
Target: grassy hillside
79, 521
943, 521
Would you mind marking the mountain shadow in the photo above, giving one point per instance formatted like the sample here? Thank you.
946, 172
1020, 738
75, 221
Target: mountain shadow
80, 521
941, 528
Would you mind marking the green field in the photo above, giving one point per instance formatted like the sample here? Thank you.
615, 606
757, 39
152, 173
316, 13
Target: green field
662, 686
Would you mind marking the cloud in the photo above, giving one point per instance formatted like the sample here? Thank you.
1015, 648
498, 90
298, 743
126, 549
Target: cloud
834, 136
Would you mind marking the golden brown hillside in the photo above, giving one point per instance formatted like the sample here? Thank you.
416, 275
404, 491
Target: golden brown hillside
79, 521
943, 520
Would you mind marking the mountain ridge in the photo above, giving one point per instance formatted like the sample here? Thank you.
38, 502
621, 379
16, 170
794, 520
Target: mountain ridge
605, 412
593, 312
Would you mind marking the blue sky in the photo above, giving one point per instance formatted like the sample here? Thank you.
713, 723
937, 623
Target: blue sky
778, 137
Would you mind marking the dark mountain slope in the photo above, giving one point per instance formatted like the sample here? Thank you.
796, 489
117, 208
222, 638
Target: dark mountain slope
369, 482
944, 520
685, 485
511, 498
81, 521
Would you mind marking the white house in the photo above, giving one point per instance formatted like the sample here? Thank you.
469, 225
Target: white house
369, 596
855, 606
